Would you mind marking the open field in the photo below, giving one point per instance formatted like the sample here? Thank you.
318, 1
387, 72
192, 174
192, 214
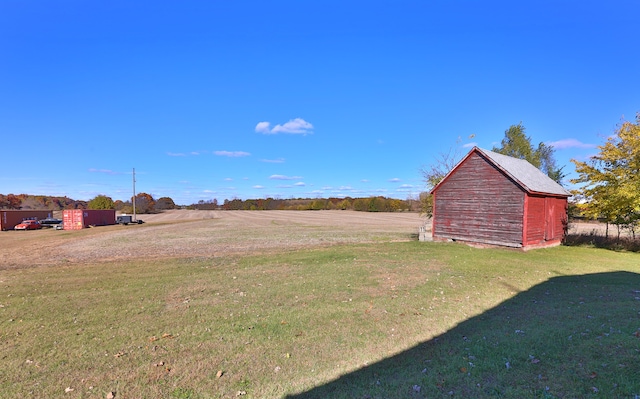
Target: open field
310, 305
184, 233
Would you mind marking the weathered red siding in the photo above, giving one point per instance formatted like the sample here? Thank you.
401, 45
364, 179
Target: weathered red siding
478, 203
546, 219
535, 219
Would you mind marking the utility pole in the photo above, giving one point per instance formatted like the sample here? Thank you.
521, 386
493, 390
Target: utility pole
134, 195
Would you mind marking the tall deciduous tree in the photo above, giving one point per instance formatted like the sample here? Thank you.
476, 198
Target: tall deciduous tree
611, 179
145, 203
517, 144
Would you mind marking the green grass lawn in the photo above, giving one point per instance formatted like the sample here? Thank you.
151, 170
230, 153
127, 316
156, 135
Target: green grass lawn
385, 320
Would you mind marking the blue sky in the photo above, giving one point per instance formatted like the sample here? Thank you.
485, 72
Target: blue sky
283, 99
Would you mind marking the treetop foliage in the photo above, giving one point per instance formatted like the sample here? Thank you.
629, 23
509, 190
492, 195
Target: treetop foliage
611, 179
26, 201
517, 144
101, 202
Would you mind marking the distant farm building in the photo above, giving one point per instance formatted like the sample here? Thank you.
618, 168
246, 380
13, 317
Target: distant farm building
493, 199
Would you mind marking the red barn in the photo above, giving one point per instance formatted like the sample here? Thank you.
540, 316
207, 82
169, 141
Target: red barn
490, 198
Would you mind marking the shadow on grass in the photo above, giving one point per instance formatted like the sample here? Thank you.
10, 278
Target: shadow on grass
597, 241
569, 337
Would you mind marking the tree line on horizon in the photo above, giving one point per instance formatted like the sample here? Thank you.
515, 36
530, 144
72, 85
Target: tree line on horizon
145, 203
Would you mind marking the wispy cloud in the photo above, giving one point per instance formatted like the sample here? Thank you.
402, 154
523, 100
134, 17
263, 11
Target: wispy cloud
283, 177
294, 126
184, 154
300, 184
279, 160
469, 145
258, 187
394, 180
105, 171
570, 143
232, 154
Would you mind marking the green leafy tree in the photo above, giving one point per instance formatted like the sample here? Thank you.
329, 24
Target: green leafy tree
611, 179
101, 202
517, 144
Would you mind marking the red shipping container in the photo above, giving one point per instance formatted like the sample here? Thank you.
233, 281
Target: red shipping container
76, 219
10, 218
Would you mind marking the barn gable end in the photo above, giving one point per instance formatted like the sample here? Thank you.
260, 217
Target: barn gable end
489, 198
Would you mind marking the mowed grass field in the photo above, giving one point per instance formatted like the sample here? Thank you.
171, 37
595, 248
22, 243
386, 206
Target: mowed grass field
310, 305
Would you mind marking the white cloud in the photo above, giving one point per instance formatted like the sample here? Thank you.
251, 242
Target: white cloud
232, 154
394, 180
283, 177
365, 180
300, 184
263, 127
175, 154
294, 126
258, 187
469, 145
569, 143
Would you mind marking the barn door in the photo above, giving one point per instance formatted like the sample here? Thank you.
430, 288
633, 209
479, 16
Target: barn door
549, 222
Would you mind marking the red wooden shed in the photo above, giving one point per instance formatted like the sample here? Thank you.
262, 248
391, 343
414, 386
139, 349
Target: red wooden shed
490, 198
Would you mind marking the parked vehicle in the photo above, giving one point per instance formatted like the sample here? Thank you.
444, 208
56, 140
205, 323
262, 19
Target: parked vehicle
50, 222
126, 219
28, 225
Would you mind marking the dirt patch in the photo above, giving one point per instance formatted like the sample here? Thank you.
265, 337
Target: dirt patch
183, 233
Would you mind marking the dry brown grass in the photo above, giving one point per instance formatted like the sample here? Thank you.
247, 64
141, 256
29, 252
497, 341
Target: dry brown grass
184, 233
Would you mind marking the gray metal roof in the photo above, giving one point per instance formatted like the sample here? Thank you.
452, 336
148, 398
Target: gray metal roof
528, 176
